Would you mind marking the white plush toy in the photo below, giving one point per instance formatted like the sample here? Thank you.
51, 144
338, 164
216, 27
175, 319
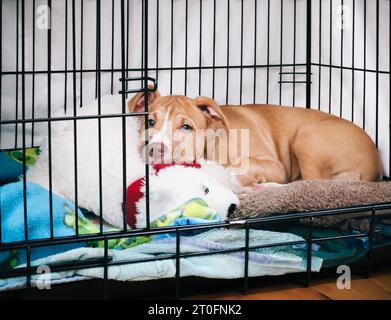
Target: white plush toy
170, 188
88, 172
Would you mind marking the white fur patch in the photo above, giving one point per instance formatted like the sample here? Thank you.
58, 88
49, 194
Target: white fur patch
164, 134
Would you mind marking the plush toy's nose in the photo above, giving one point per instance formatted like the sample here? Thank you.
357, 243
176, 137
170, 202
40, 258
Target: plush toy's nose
231, 208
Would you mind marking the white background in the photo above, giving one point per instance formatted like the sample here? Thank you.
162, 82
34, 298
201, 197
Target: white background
194, 56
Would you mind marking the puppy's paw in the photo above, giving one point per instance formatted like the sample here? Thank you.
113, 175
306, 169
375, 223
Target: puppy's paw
247, 190
269, 185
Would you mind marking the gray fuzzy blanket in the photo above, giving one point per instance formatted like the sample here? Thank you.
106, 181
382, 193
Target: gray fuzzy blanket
304, 196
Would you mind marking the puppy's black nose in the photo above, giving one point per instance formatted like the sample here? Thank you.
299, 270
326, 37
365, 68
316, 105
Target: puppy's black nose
231, 208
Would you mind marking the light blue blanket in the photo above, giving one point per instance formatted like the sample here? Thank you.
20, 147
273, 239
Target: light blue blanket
267, 261
12, 219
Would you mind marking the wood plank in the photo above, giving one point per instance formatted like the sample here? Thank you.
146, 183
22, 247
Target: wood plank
281, 292
361, 288
383, 281
377, 287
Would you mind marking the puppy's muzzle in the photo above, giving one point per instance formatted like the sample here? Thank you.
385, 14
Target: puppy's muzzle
157, 151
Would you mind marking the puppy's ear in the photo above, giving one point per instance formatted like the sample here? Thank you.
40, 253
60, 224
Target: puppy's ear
211, 110
137, 103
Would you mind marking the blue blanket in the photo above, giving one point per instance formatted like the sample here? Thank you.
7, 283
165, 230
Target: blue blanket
12, 211
38, 219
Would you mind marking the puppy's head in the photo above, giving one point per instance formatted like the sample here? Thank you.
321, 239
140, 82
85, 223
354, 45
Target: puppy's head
176, 126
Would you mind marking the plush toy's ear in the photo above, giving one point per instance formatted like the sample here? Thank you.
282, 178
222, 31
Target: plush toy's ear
137, 103
211, 110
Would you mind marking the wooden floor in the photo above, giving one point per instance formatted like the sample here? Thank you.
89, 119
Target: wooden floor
377, 287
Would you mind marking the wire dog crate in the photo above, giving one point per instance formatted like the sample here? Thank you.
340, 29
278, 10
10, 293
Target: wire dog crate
332, 55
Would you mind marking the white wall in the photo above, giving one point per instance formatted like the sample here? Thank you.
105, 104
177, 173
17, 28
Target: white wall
8, 98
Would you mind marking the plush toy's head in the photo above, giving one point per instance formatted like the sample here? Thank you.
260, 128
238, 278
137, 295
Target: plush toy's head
174, 185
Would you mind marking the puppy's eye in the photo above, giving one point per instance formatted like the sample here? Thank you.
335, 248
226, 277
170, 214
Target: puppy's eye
186, 127
151, 123
206, 190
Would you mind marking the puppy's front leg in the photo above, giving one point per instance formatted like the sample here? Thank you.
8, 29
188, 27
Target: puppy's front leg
260, 171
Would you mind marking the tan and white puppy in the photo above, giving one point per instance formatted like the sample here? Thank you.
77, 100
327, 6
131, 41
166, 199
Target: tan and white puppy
274, 144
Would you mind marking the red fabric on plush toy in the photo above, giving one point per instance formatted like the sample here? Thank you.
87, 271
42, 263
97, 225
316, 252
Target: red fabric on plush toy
134, 194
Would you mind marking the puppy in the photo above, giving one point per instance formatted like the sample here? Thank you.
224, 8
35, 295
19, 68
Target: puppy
260, 143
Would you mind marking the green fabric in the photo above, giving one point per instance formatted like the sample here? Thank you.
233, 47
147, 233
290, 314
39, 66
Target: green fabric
333, 252
32, 155
195, 208
11, 163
